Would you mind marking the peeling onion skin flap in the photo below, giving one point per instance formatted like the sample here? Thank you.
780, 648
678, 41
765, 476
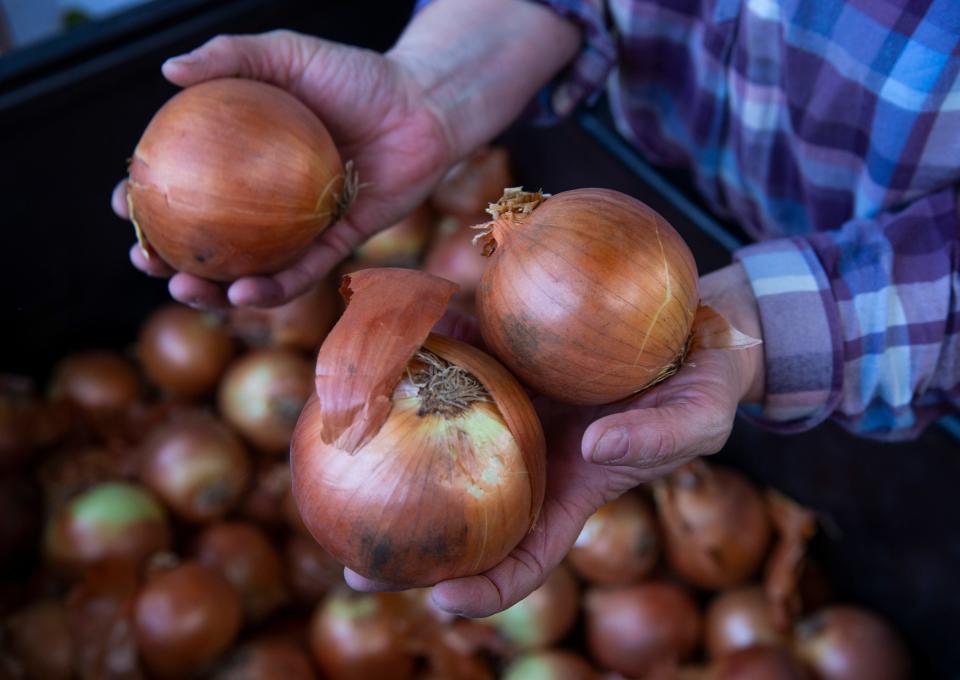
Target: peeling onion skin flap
389, 314
712, 331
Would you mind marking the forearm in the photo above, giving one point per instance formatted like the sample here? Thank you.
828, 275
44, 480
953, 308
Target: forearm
481, 61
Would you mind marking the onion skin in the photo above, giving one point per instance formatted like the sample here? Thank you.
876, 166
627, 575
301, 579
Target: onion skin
361, 637
262, 395
400, 245
233, 178
111, 520
551, 664
589, 298
184, 619
40, 640
843, 642
619, 544
472, 184
543, 617
737, 619
100, 383
244, 556
715, 525
267, 659
631, 630
196, 465
301, 324
758, 663
184, 351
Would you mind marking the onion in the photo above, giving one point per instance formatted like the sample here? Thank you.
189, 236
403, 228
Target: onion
234, 178
844, 642
111, 520
457, 649
715, 525
185, 617
630, 630
21, 510
589, 296
311, 570
758, 663
264, 502
795, 525
100, 613
738, 619
300, 324
262, 395
619, 544
184, 351
362, 637
266, 659
102, 383
543, 617
27, 423
419, 459
72, 470
551, 664
244, 556
473, 183
401, 245
196, 465
452, 256
40, 639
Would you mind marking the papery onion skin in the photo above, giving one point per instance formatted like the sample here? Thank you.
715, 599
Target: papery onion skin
234, 177
551, 664
99, 382
266, 659
300, 324
619, 543
631, 630
262, 395
184, 351
715, 526
844, 642
589, 298
185, 617
758, 663
737, 619
40, 639
543, 617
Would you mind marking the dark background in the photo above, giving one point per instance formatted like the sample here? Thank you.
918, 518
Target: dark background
72, 110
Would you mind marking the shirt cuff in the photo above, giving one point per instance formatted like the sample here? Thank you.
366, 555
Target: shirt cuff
802, 335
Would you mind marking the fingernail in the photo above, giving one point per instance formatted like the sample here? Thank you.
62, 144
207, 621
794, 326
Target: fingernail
188, 59
611, 447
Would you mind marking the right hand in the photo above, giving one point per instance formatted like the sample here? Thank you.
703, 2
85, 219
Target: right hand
379, 117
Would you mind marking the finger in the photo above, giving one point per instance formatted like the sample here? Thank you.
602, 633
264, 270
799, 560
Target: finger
196, 292
118, 200
276, 57
153, 266
367, 585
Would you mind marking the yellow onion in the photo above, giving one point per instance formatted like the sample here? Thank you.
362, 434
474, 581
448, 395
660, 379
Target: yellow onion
589, 296
401, 245
419, 458
234, 178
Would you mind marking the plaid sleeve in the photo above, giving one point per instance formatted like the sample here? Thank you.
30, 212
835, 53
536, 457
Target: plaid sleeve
862, 324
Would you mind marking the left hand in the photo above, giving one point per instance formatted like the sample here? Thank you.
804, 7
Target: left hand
598, 453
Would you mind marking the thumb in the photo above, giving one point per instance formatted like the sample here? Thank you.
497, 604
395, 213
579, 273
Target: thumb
277, 57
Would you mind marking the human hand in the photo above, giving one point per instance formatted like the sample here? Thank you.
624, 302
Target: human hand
595, 454
379, 117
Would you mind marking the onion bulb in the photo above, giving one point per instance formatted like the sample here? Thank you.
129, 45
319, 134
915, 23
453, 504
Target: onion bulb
262, 395
99, 382
738, 619
631, 630
715, 525
300, 324
184, 351
469, 186
551, 664
235, 177
843, 642
268, 658
543, 617
619, 544
419, 458
400, 245
758, 663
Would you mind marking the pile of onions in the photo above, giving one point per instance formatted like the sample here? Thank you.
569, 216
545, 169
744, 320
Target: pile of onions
184, 351
185, 617
715, 525
300, 324
266, 659
197, 465
244, 556
111, 520
233, 178
472, 184
843, 642
619, 543
631, 630
553, 664
402, 244
543, 617
420, 458
98, 382
737, 619
262, 395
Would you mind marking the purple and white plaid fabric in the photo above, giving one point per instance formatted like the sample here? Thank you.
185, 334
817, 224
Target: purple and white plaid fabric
831, 131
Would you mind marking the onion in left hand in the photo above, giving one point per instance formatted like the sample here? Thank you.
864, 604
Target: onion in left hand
420, 458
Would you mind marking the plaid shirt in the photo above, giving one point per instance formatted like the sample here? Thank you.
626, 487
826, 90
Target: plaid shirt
831, 131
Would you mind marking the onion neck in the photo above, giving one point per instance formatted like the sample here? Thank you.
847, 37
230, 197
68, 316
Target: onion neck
444, 389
